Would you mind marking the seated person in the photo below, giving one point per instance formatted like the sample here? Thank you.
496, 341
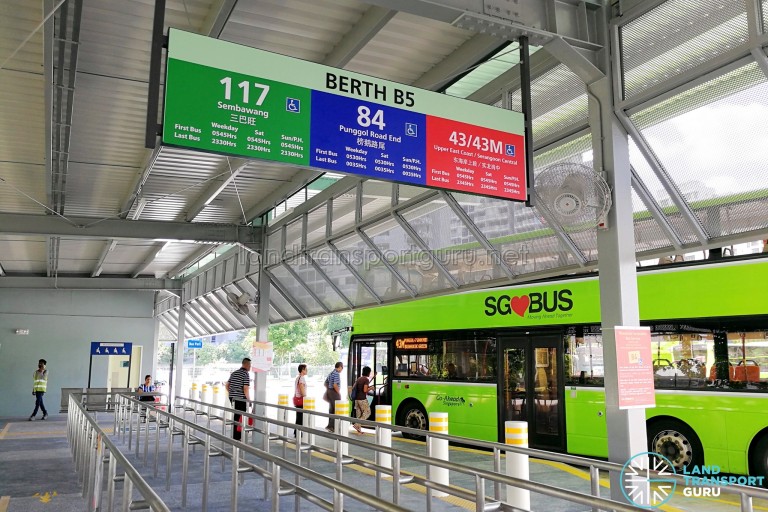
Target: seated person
145, 388
450, 371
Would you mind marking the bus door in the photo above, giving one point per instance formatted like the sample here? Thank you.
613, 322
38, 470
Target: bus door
531, 388
372, 352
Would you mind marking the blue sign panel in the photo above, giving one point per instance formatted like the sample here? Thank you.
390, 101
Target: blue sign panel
111, 348
195, 343
360, 137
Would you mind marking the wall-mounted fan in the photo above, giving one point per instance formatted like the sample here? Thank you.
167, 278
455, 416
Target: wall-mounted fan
239, 302
575, 195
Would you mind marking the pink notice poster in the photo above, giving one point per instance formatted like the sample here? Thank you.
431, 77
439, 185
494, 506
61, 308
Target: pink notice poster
261, 356
635, 367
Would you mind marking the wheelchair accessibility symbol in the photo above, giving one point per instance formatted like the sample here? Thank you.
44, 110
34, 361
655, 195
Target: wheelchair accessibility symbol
509, 149
411, 129
293, 105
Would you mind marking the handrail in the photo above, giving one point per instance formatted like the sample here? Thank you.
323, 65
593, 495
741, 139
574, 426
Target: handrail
276, 461
502, 479
576, 460
78, 423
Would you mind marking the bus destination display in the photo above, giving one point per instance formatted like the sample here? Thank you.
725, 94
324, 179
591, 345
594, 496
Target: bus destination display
236, 100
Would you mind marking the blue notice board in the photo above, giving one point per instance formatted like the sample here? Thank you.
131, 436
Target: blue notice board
111, 348
195, 343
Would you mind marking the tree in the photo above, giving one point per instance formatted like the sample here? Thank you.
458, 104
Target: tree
286, 337
209, 354
237, 350
164, 353
338, 321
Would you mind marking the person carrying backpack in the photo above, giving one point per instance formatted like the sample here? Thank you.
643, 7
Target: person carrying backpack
333, 392
360, 396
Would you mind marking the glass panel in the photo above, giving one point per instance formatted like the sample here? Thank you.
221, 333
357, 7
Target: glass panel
406, 257
514, 385
340, 275
659, 193
296, 291
406, 192
368, 264
316, 223
648, 233
559, 102
319, 286
274, 247
584, 357
546, 391
343, 214
677, 36
452, 243
377, 197
279, 302
725, 189
293, 238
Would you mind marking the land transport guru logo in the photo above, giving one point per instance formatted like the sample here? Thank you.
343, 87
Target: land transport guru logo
555, 303
649, 480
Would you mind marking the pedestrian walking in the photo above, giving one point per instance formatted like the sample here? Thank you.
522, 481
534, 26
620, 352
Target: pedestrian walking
239, 389
39, 386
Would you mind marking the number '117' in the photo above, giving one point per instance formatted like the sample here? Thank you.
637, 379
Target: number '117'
246, 88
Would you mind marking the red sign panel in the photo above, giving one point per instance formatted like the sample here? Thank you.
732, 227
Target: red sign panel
635, 367
474, 159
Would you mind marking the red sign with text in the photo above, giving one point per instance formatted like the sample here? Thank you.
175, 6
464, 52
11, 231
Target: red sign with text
474, 159
635, 367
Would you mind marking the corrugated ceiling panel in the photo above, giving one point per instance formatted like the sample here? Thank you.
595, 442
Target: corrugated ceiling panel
25, 254
20, 179
22, 129
79, 255
407, 47
18, 19
169, 257
306, 29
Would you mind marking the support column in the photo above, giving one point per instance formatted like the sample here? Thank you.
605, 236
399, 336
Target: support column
618, 277
178, 360
262, 328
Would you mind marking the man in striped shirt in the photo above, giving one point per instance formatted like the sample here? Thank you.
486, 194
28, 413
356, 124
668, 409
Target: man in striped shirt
238, 387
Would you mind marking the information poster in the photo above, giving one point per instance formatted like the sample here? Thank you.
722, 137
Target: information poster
261, 356
635, 367
231, 99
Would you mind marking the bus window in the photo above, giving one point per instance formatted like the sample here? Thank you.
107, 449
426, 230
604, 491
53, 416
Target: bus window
584, 359
471, 358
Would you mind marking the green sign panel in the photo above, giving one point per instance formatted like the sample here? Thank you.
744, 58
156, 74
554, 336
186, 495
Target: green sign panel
233, 114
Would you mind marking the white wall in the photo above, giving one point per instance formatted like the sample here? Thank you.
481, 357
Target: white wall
62, 324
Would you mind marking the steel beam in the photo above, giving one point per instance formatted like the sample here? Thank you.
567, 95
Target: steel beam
85, 227
454, 205
372, 21
192, 258
425, 249
300, 179
153, 252
108, 248
306, 287
498, 19
460, 61
640, 188
89, 283
216, 187
669, 185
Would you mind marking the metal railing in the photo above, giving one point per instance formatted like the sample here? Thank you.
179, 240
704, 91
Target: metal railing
483, 502
91, 448
745, 494
216, 444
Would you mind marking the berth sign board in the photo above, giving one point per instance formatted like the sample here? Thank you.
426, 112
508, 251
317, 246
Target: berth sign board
111, 348
235, 100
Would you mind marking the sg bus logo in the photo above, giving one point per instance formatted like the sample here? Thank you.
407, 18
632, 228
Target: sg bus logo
534, 302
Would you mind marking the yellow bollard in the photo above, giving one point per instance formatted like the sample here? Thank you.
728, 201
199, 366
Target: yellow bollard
384, 435
516, 434
283, 401
438, 423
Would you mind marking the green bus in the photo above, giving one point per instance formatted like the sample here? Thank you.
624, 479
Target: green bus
534, 353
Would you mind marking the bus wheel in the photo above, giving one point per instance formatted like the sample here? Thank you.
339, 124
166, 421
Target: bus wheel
676, 441
758, 459
414, 416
